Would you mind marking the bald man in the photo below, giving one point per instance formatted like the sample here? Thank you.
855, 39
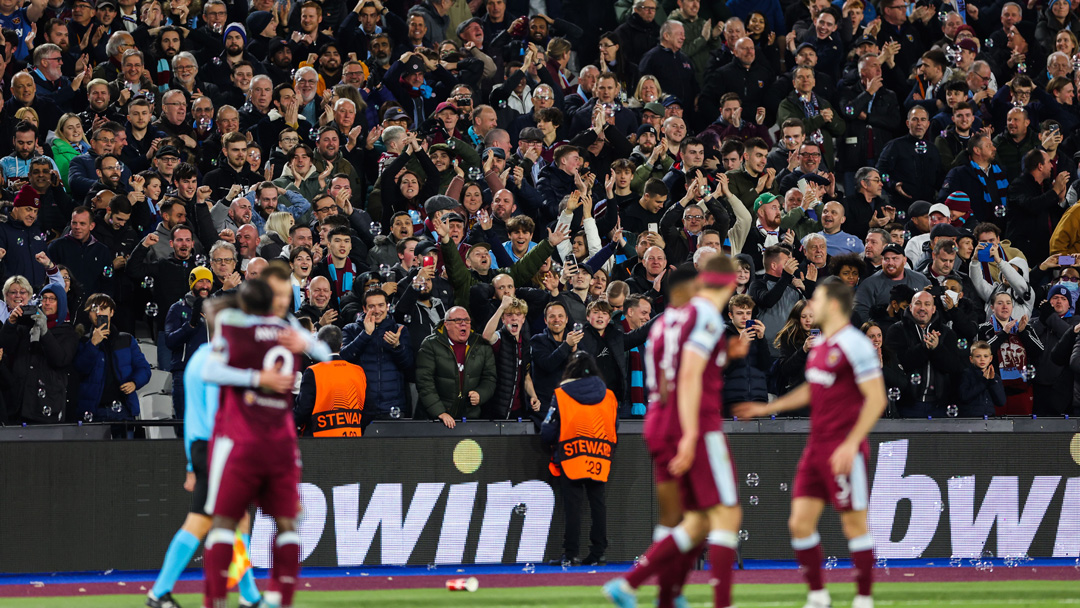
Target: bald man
320, 307
247, 241
838, 241
254, 269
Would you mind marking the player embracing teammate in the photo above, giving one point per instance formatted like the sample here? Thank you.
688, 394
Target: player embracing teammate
846, 393
683, 429
254, 455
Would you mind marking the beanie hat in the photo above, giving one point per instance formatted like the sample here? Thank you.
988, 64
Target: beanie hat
197, 274
28, 197
257, 22
235, 27
959, 201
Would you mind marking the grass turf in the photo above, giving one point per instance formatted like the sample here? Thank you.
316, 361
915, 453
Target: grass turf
1013, 594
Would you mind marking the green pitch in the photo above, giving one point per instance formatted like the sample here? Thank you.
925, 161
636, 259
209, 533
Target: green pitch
1015, 594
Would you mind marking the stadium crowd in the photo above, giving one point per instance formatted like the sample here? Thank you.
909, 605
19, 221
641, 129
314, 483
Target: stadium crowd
472, 190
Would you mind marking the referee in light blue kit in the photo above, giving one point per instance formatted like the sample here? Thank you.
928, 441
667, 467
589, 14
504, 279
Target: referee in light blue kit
201, 403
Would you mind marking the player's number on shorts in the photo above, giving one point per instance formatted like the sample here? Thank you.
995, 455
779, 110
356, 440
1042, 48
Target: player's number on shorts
594, 467
845, 488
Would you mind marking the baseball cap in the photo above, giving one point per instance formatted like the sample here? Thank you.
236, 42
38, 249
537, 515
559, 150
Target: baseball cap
862, 41
425, 246
167, 151
655, 108
671, 100
968, 45
941, 208
454, 217
498, 152
446, 105
480, 244
531, 134
946, 230
919, 209
764, 199
395, 113
893, 248
806, 45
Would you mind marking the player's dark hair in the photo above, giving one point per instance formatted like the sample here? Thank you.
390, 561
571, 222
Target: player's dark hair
331, 336
256, 297
580, 365
277, 269
841, 292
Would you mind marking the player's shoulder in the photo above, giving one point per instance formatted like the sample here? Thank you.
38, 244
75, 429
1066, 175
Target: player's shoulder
854, 344
705, 314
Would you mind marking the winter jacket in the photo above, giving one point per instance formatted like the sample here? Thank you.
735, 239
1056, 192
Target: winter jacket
616, 343
976, 396
792, 107
1066, 236
1033, 208
384, 366
775, 297
39, 368
181, 336
170, 280
510, 371
128, 365
937, 369
1054, 380
874, 290
549, 360
442, 390
63, 152
22, 243
91, 263
746, 379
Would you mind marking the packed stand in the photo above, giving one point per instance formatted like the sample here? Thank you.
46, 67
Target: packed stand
471, 191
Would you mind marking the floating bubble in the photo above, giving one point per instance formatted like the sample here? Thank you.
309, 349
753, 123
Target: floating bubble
953, 411
117, 407
431, 566
148, 282
962, 344
783, 487
830, 562
407, 319
88, 417
1021, 68
200, 260
1029, 372
920, 147
999, 211
107, 272
529, 569
901, 214
395, 412
882, 563
41, 393
744, 535
521, 509
376, 228
942, 16
989, 42
907, 235
916, 379
884, 178
46, 411
151, 310
939, 506
817, 138
849, 110
753, 501
752, 480
475, 173
894, 394
578, 327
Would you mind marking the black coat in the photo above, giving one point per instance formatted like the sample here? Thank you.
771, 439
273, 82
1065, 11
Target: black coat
510, 370
747, 379
616, 343
39, 370
1033, 209
937, 368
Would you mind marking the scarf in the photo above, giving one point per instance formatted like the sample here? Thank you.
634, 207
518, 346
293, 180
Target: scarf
342, 280
1000, 185
811, 108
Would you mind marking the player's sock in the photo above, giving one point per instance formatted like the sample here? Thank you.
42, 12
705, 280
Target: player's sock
808, 552
722, 544
862, 556
286, 566
659, 555
684, 566
665, 579
248, 590
177, 557
216, 560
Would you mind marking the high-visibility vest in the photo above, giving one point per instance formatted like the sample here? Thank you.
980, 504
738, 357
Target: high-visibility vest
340, 387
586, 437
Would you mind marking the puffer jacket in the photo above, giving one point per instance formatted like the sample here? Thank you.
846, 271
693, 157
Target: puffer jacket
510, 370
40, 368
384, 366
440, 386
128, 364
746, 379
183, 338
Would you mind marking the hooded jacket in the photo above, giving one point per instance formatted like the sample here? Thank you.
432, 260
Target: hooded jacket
1022, 293
586, 391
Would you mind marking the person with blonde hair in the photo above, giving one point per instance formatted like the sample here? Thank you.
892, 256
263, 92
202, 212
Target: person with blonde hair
70, 141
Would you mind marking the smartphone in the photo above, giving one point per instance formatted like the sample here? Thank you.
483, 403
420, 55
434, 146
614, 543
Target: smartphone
750, 324
654, 227
983, 253
102, 321
1066, 260
30, 309
429, 260
815, 333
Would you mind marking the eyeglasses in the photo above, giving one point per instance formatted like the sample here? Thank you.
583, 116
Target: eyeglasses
810, 154
694, 218
323, 209
457, 320
109, 168
52, 59
608, 46
184, 68
223, 260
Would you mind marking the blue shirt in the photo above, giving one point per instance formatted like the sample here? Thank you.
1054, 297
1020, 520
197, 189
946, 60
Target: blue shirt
21, 24
842, 242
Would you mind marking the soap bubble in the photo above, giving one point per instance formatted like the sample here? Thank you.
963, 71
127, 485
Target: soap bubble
395, 412
920, 147
148, 282
529, 569
830, 562
894, 394
953, 411
752, 480
431, 566
744, 535
151, 310
41, 393
200, 260
754, 500
88, 417
989, 42
376, 228
107, 272
521, 509
916, 378
1029, 372
962, 344
817, 138
999, 211
46, 411
117, 407
783, 487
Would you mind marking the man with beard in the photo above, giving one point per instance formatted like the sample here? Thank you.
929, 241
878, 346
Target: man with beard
307, 85
166, 46
279, 61
108, 168
328, 152
378, 60
84, 255
953, 141
286, 112
329, 64
235, 171
219, 72
207, 39
99, 110
55, 204
260, 94
16, 166
82, 172
874, 290
56, 32
308, 39
52, 86
173, 120
185, 330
